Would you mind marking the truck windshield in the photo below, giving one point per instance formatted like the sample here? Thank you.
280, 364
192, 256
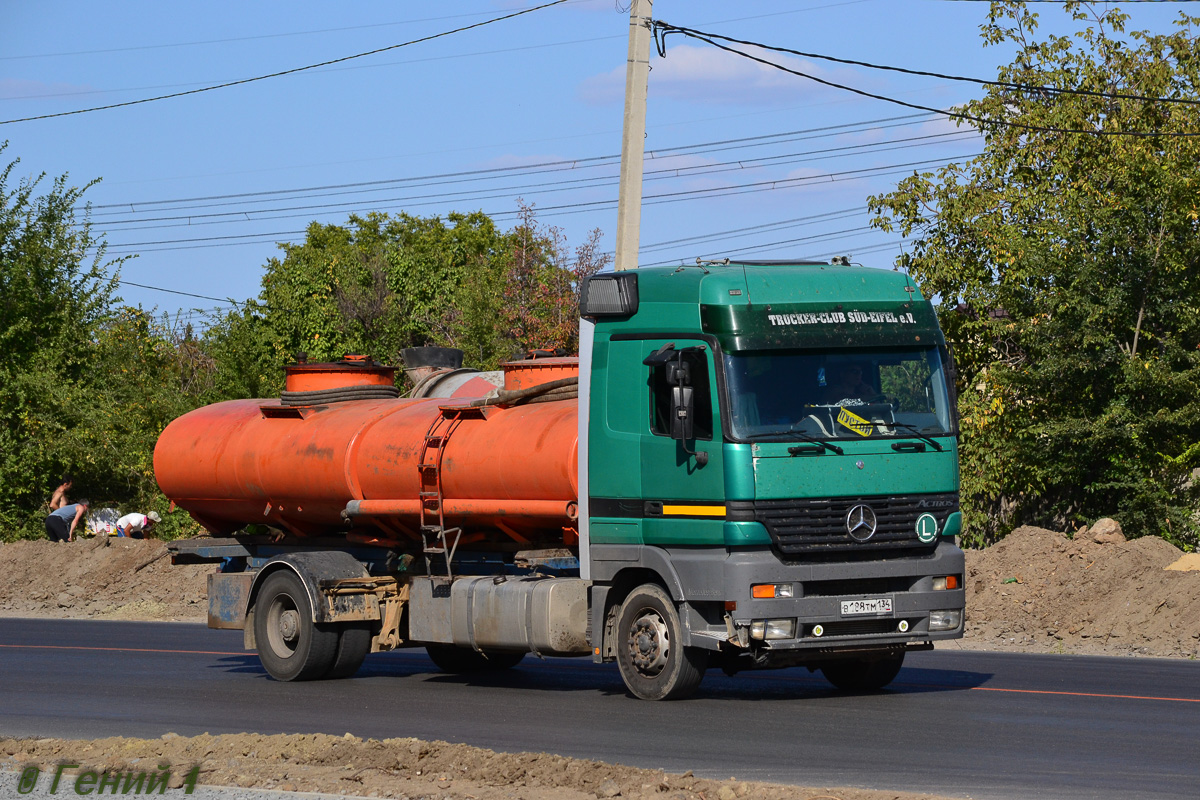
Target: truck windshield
841, 394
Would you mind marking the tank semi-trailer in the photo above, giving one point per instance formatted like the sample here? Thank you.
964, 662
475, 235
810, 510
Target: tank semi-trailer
749, 465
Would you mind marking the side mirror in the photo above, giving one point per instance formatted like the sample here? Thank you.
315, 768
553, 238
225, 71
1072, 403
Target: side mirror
679, 373
683, 425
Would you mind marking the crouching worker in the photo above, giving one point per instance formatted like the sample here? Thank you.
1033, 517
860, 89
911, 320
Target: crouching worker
135, 526
62, 522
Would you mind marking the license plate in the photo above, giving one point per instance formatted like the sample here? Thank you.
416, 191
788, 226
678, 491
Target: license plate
877, 605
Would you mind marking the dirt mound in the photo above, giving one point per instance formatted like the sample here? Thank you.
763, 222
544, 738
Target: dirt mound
393, 768
108, 578
1041, 590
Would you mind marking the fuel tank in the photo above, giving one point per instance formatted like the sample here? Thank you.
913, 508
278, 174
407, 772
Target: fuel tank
333, 457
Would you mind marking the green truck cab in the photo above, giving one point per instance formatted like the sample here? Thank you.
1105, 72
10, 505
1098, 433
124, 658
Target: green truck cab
768, 472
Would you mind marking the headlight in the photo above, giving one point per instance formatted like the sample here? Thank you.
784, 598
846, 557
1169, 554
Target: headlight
781, 629
944, 620
773, 629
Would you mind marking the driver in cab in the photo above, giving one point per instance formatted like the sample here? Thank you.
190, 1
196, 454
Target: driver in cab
847, 384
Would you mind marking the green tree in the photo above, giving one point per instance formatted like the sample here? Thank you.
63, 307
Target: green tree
1067, 262
382, 283
374, 286
542, 284
55, 288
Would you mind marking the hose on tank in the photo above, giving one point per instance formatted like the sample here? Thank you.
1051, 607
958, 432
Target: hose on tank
561, 389
338, 395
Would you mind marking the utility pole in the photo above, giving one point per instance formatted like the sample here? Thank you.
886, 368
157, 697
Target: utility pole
633, 142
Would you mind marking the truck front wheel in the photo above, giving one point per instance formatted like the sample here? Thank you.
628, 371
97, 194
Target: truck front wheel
861, 675
290, 645
650, 653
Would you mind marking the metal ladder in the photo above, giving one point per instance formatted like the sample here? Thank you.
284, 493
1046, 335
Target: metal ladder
436, 538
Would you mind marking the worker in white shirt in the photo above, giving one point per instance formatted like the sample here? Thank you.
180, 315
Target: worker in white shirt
135, 525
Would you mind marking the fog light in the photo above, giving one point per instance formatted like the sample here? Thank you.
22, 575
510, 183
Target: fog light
781, 629
769, 591
944, 620
758, 629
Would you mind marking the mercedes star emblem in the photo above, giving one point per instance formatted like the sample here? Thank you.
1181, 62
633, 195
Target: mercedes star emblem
860, 523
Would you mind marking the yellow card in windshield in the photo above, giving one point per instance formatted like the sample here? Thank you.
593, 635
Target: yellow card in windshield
855, 423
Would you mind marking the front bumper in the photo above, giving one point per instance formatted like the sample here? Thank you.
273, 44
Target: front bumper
820, 589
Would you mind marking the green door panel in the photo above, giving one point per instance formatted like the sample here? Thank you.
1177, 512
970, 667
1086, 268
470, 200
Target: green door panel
668, 471
739, 471
624, 532
615, 423
683, 531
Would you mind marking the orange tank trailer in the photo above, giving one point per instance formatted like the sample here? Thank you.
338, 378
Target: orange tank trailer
506, 473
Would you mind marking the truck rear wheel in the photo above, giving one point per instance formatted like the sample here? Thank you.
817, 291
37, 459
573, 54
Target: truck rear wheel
653, 661
454, 659
354, 642
290, 645
862, 675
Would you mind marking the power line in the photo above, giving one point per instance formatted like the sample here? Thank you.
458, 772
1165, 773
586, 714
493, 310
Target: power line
566, 208
566, 164
290, 71
172, 45
174, 291
981, 121
751, 230
546, 187
667, 29
373, 26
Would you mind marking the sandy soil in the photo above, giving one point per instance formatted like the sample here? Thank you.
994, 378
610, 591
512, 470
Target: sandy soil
401, 768
1042, 591
1036, 591
104, 578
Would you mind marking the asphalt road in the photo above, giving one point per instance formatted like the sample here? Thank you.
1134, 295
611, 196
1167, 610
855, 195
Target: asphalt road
984, 725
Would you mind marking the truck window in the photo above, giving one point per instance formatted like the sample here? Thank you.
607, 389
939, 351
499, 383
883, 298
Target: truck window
660, 397
884, 391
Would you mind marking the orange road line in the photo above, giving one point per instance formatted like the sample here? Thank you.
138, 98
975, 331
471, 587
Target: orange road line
1086, 694
118, 649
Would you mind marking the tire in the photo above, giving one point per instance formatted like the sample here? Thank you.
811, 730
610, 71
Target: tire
653, 663
458, 660
354, 642
861, 675
290, 645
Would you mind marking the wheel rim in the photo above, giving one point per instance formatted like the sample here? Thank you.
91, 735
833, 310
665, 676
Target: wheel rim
649, 643
283, 626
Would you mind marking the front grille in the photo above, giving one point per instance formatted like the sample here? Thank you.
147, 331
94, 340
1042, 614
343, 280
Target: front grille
858, 627
812, 526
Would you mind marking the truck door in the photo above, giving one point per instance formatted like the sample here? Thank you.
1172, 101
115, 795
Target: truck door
684, 502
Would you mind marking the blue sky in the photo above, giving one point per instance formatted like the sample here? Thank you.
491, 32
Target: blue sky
202, 187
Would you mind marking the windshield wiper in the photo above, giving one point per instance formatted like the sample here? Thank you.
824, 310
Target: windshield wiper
915, 431
804, 437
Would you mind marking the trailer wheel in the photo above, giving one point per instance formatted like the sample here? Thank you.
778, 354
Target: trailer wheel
653, 662
354, 642
862, 675
454, 659
290, 645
